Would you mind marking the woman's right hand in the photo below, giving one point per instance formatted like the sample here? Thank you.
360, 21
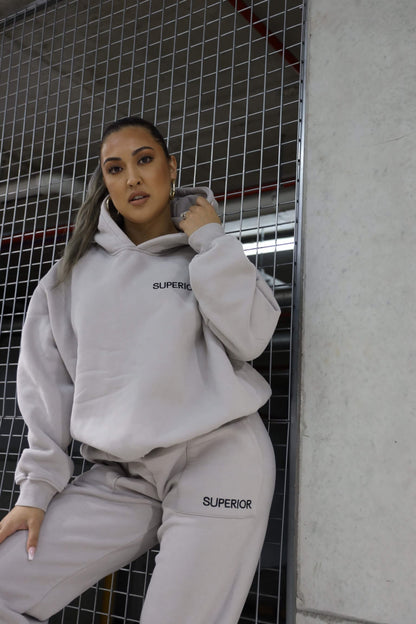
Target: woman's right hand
22, 518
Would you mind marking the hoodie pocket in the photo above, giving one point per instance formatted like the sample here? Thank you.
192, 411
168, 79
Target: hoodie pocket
223, 476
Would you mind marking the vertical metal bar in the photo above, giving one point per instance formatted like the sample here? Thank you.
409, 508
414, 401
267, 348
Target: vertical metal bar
282, 91
42, 61
146, 60
68, 106
172, 75
262, 138
258, 219
295, 366
104, 121
185, 94
93, 97
159, 63
216, 82
120, 58
133, 64
127, 593
201, 82
55, 124
243, 177
80, 84
80, 100
263, 131
230, 116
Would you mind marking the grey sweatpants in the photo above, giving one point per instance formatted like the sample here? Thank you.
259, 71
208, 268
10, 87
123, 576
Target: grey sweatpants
206, 502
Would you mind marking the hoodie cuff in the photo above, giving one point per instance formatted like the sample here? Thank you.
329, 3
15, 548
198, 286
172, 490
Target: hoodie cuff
35, 494
201, 239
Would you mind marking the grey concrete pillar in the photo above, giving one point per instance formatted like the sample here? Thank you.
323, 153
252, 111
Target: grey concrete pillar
356, 558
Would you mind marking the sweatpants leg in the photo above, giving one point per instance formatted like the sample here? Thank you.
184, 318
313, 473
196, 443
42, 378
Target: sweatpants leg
91, 529
214, 522
215, 492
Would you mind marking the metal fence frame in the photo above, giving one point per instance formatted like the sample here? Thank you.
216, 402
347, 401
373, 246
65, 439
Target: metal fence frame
48, 155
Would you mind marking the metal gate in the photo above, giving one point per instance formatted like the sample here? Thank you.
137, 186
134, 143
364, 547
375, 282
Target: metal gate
223, 81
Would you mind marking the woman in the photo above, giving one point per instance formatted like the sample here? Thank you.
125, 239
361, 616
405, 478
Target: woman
136, 344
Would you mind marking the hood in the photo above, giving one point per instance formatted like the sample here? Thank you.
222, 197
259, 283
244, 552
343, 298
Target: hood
112, 238
185, 197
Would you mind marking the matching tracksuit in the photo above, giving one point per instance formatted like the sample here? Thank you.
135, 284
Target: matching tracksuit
142, 355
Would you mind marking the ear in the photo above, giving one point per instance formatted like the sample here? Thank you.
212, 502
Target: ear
173, 167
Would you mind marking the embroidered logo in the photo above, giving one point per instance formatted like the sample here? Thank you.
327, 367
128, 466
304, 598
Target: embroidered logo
227, 503
183, 285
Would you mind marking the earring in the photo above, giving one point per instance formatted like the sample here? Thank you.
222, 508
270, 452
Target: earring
107, 203
172, 190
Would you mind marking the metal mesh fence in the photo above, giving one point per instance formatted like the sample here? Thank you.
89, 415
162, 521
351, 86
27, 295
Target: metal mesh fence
222, 81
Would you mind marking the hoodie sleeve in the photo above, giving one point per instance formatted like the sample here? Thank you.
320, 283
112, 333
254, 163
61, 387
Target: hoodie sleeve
233, 298
44, 394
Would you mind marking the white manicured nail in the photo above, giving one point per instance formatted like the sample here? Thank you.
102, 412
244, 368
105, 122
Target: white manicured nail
31, 553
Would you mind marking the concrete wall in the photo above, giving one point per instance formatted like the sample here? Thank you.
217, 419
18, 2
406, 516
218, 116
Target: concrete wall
357, 471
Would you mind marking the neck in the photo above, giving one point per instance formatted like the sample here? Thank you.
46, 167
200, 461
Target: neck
140, 233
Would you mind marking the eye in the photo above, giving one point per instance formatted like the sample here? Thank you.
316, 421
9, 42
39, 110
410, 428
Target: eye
113, 170
144, 160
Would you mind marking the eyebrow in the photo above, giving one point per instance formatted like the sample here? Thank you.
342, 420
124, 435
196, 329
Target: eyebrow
136, 151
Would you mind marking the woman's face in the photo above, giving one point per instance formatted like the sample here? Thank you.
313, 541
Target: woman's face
138, 177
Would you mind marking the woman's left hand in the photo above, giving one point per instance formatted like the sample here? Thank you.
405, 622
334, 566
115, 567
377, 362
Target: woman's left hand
201, 213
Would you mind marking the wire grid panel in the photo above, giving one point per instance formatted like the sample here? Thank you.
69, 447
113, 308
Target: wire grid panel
222, 80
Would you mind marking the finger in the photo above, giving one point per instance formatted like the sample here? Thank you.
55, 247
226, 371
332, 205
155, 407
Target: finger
207, 208
3, 533
202, 201
6, 529
32, 539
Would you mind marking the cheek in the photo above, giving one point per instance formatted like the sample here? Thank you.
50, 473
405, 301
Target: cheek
110, 183
163, 179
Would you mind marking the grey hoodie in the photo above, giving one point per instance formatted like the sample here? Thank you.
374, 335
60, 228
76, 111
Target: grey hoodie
144, 346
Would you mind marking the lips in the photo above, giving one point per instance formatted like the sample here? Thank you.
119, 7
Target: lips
138, 196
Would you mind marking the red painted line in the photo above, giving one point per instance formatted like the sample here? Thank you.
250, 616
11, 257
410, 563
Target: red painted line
254, 190
61, 231
258, 25
40, 236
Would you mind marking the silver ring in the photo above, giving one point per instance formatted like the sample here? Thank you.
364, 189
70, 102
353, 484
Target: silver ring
184, 214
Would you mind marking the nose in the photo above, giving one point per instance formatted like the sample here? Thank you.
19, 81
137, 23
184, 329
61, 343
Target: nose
133, 178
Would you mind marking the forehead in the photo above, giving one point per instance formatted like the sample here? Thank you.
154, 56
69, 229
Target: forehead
127, 140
